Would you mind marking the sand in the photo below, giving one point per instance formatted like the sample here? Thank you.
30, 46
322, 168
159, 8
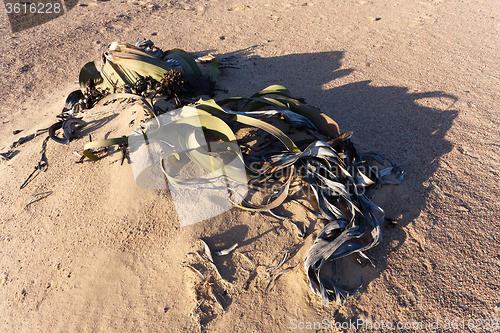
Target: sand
416, 80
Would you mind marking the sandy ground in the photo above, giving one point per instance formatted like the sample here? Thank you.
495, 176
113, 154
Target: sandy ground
416, 80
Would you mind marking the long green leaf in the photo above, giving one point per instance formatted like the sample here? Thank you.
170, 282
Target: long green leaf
125, 64
209, 106
258, 103
212, 107
274, 89
323, 123
200, 155
90, 155
289, 144
214, 72
144, 65
189, 66
114, 77
237, 100
89, 73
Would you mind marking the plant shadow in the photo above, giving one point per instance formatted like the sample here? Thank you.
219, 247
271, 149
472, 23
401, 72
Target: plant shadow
408, 126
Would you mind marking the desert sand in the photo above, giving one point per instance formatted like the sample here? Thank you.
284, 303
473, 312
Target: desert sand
416, 80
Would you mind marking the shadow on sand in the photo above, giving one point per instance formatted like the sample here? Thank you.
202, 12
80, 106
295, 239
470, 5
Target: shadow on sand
389, 119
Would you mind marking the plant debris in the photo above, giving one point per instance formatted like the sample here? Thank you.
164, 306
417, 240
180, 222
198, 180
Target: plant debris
216, 299
194, 269
227, 251
41, 196
275, 276
208, 253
